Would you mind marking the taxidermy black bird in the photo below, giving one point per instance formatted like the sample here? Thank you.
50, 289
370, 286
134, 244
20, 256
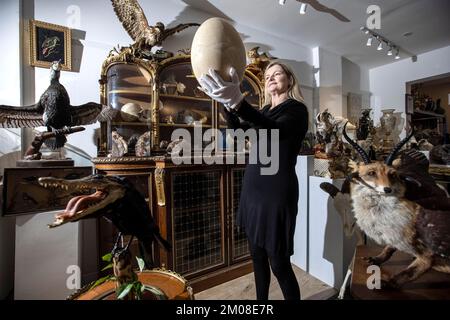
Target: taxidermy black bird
114, 198
399, 205
54, 111
135, 23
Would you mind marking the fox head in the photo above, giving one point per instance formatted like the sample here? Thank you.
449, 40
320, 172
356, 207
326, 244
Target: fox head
382, 177
378, 177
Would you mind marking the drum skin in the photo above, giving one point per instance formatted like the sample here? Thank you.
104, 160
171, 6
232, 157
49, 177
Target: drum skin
173, 285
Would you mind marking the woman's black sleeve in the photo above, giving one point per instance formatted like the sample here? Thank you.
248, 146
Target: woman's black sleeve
294, 119
234, 122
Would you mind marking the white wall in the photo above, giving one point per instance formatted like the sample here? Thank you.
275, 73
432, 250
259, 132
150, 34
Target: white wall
388, 82
9, 94
336, 77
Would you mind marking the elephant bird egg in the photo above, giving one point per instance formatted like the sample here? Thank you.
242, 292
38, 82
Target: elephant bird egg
217, 45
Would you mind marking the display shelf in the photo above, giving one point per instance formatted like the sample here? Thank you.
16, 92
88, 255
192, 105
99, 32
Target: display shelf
184, 125
171, 96
124, 123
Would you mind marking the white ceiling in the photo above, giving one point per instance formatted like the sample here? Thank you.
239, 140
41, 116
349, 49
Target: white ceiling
428, 20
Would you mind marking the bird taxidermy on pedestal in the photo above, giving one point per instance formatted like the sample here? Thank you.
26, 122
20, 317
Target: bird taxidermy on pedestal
136, 25
54, 111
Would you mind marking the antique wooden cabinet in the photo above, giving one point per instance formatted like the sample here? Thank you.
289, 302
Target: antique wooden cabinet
193, 204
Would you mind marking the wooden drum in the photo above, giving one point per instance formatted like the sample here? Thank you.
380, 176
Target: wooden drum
172, 286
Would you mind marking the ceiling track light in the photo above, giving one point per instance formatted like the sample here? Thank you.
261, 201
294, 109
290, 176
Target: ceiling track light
380, 45
383, 41
389, 53
282, 2
303, 8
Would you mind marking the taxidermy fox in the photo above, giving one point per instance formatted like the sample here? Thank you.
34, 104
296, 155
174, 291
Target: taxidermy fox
401, 206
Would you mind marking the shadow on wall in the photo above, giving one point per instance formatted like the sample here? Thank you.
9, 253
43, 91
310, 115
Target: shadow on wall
338, 248
183, 39
77, 49
331, 252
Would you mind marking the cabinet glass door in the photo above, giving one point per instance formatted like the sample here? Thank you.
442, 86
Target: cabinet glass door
129, 92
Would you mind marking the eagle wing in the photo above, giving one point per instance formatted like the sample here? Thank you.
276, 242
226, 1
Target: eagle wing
89, 113
320, 7
21, 117
132, 17
178, 28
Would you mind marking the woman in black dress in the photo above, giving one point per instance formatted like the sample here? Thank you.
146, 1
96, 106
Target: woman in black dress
268, 203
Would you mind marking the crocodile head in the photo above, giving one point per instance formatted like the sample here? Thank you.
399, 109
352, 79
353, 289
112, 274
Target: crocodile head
97, 193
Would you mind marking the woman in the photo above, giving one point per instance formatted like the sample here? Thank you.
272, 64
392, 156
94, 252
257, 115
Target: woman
268, 203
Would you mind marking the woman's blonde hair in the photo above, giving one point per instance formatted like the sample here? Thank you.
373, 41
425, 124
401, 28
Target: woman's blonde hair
294, 90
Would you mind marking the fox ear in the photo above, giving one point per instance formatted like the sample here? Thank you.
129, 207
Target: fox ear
353, 165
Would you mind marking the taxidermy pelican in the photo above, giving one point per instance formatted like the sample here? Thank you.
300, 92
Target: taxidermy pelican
135, 23
54, 111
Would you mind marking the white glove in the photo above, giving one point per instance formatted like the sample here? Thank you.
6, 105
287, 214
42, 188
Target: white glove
227, 93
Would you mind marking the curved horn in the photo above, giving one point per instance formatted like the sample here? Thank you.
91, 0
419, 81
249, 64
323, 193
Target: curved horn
391, 157
360, 150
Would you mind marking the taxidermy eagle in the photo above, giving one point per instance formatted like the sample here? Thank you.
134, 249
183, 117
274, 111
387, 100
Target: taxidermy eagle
54, 111
135, 23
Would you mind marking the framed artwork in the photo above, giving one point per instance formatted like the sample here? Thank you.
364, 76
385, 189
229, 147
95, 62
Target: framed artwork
409, 104
48, 43
22, 194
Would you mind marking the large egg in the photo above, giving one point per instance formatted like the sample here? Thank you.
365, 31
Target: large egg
217, 45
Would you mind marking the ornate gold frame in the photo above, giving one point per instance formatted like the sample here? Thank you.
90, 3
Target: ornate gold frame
33, 58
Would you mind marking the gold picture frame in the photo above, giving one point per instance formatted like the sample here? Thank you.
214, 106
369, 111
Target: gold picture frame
50, 42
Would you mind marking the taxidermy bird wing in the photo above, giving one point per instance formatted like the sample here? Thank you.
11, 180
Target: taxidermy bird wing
21, 117
178, 28
89, 113
433, 229
320, 7
132, 17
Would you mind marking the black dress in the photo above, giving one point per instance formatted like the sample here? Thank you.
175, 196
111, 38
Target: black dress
268, 203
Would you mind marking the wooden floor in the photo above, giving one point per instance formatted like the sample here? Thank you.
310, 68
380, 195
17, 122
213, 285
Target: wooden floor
243, 288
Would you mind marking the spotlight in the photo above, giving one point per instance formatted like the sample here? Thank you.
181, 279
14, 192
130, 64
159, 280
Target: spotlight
389, 53
303, 8
282, 2
380, 45
369, 41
